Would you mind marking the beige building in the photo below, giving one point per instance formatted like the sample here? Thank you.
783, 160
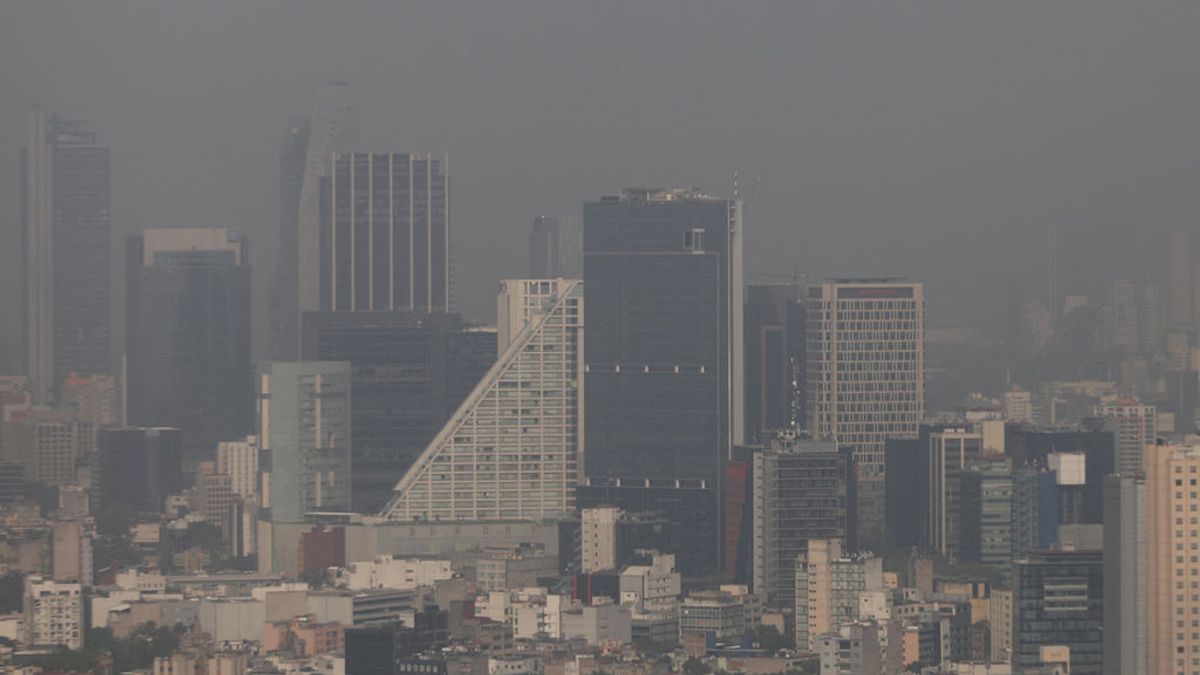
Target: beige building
598, 538
47, 443
239, 461
53, 613
1172, 557
1000, 618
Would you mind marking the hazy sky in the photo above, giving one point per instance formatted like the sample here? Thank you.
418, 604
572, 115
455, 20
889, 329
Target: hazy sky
928, 139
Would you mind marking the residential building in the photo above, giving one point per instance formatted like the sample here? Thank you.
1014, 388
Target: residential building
653, 584
1058, 599
71, 551
598, 624
65, 225
556, 247
518, 567
829, 584
385, 233
514, 448
53, 613
1018, 406
139, 467
665, 376
854, 649
598, 539
188, 335
409, 371
802, 490
1172, 495
304, 431
1125, 574
1134, 426
865, 377
239, 461
212, 495
1000, 623
48, 444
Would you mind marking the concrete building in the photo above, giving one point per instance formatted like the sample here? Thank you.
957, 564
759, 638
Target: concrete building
95, 398
1172, 495
410, 371
829, 584
1018, 406
1135, 427
53, 613
855, 649
597, 624
65, 227
139, 467
304, 636
950, 452
232, 619
514, 448
1125, 559
598, 539
212, 495
188, 334
48, 444
802, 490
239, 461
1058, 599
556, 247
719, 614
653, 586
1000, 621
665, 371
71, 551
396, 573
385, 233
519, 567
852, 323
304, 430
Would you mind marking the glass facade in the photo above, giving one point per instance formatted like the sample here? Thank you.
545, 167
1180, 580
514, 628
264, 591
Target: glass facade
1058, 600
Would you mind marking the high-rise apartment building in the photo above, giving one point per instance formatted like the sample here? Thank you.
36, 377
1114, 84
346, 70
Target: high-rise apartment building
139, 467
409, 372
1135, 426
774, 360
239, 461
1125, 600
303, 160
803, 490
385, 233
663, 281
828, 587
188, 335
556, 247
598, 539
865, 376
66, 223
304, 412
1058, 599
53, 613
1172, 496
513, 449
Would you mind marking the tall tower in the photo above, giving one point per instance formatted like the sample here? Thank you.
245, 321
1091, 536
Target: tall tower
188, 335
663, 278
303, 159
66, 228
1172, 494
866, 376
385, 233
1125, 531
513, 449
556, 247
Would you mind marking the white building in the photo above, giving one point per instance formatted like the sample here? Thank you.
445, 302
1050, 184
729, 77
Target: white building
598, 538
53, 613
866, 376
513, 449
1018, 406
653, 586
388, 572
239, 461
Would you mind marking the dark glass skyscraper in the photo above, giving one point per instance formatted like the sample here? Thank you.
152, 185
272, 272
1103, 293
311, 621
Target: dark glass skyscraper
556, 248
188, 335
664, 382
139, 467
385, 233
774, 359
409, 372
66, 224
1058, 599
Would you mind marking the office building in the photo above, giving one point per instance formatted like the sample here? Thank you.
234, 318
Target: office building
1172, 497
1030, 447
986, 512
1134, 427
513, 449
1125, 599
95, 398
48, 444
66, 221
304, 430
409, 371
139, 467
304, 155
1058, 599
865, 376
556, 247
852, 649
239, 461
53, 613
950, 452
775, 360
381, 649
385, 233
803, 490
663, 283
713, 613
188, 335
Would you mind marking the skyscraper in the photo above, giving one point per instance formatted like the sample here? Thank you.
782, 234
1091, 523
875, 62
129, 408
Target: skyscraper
1125, 601
66, 225
513, 449
409, 372
556, 247
1172, 497
950, 452
1058, 599
304, 432
303, 160
866, 376
1135, 426
139, 467
663, 279
774, 359
188, 335
385, 233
